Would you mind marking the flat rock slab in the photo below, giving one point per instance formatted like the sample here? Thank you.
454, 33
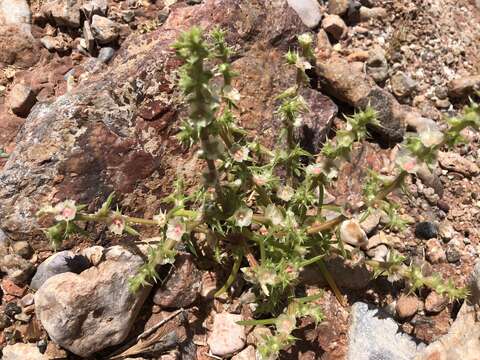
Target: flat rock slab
91, 311
374, 335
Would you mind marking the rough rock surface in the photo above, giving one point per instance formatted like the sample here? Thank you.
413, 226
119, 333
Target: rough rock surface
374, 335
88, 312
461, 342
90, 140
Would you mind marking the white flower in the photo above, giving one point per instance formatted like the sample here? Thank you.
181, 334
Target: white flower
266, 277
231, 94
431, 137
285, 324
305, 39
65, 210
243, 216
291, 221
117, 224
240, 153
298, 122
302, 64
274, 214
260, 179
314, 169
161, 218
285, 193
175, 229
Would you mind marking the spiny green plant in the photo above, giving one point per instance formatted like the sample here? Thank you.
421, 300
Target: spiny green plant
264, 208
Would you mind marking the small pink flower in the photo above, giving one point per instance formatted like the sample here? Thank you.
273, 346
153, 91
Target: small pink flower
117, 224
240, 154
66, 211
175, 229
314, 169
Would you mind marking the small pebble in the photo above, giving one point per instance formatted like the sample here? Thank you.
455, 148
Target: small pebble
407, 306
12, 309
435, 303
426, 230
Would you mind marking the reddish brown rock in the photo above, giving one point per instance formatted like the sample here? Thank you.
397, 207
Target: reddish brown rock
92, 140
182, 285
407, 306
21, 99
17, 47
463, 87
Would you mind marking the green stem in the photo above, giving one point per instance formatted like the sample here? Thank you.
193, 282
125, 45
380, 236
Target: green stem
311, 261
232, 276
331, 282
257, 322
392, 186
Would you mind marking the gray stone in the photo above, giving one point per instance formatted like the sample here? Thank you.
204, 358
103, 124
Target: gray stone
348, 274
59, 263
104, 30
373, 334
392, 126
402, 85
369, 225
105, 54
91, 311
308, 11
379, 253
377, 65
17, 268
22, 351
21, 99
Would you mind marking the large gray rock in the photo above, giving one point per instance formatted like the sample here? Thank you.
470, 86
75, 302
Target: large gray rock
374, 335
308, 10
91, 311
59, 263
